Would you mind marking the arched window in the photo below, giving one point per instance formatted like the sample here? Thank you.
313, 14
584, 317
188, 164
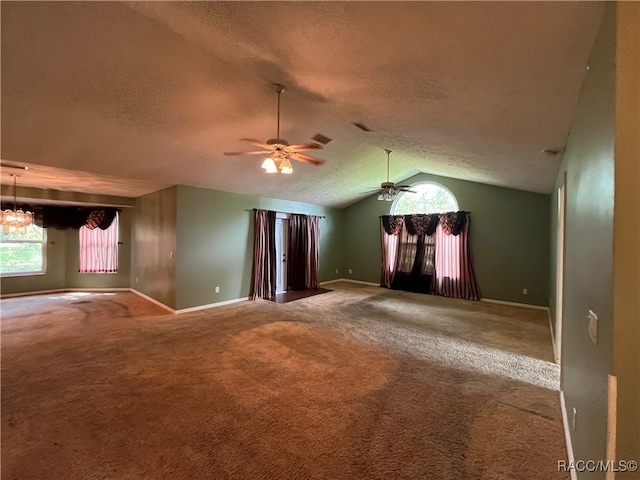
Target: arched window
428, 197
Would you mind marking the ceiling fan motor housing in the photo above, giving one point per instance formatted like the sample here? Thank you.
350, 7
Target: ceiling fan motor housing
278, 141
387, 185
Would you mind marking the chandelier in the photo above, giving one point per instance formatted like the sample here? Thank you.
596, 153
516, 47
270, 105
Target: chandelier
15, 222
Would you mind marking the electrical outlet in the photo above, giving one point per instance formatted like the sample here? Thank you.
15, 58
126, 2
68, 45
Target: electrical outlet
574, 418
217, 289
136, 279
336, 270
350, 271
593, 326
524, 291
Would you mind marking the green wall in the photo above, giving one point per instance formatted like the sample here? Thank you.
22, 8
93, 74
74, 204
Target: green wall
215, 243
589, 165
509, 238
602, 263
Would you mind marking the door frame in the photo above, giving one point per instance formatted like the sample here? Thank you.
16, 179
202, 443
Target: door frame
560, 260
282, 245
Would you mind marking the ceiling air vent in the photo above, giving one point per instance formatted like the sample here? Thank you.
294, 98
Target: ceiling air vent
323, 139
362, 127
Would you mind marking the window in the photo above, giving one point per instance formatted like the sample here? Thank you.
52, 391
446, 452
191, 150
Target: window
23, 254
99, 249
428, 198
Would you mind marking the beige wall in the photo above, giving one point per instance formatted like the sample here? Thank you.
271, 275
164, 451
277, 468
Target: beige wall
626, 247
153, 267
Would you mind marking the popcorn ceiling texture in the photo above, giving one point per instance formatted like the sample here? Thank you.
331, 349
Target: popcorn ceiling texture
156, 91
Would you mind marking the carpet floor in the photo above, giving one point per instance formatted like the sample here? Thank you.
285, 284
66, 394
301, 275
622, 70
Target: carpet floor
357, 383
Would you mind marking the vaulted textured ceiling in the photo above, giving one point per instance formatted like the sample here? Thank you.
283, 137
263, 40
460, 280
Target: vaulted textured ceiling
157, 91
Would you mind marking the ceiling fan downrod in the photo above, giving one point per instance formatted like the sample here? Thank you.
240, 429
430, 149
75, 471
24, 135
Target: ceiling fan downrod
279, 88
388, 154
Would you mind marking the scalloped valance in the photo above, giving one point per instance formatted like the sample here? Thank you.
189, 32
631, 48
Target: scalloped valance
425, 224
59, 217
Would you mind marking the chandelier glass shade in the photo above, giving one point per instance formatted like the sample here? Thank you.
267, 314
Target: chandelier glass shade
16, 221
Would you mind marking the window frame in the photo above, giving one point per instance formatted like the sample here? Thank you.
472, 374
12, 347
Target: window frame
398, 197
19, 239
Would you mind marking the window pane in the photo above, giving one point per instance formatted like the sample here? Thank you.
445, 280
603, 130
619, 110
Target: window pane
33, 233
425, 198
21, 258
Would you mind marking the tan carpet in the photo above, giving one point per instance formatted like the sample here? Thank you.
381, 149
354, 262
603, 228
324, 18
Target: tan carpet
357, 383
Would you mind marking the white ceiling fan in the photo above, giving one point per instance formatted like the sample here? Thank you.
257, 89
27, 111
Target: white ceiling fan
279, 150
388, 190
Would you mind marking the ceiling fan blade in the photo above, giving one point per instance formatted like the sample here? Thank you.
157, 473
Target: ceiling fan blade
253, 152
406, 190
369, 192
304, 146
301, 157
256, 142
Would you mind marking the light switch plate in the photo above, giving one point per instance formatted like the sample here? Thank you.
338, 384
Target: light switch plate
593, 326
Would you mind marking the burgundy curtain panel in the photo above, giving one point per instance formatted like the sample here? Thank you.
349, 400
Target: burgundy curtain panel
454, 275
312, 255
263, 283
304, 252
296, 257
428, 254
389, 254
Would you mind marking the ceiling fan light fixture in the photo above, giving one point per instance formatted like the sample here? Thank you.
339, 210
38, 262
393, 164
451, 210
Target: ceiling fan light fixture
387, 196
285, 166
389, 189
269, 165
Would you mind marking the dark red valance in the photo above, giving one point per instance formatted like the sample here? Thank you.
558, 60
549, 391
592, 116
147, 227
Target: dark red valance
46, 216
425, 224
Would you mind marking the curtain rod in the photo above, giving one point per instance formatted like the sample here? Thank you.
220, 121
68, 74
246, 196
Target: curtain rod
287, 213
403, 214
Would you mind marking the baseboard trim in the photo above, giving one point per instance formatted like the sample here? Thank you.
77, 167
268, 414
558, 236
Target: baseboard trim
515, 304
63, 290
553, 337
612, 423
211, 305
350, 280
189, 309
153, 300
567, 435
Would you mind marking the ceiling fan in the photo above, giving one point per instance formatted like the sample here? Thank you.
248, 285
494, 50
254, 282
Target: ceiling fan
279, 150
388, 190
